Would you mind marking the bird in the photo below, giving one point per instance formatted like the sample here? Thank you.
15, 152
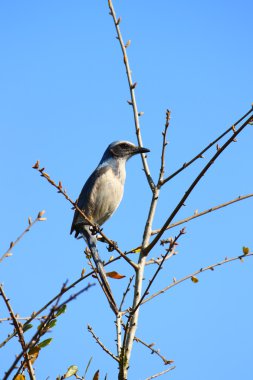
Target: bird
101, 196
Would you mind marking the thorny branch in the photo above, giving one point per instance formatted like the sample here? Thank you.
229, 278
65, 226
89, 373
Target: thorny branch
31, 223
132, 92
201, 270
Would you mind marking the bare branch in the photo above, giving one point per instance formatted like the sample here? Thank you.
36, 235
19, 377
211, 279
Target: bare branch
125, 293
63, 291
194, 183
171, 247
160, 373
164, 144
36, 337
200, 154
30, 225
197, 215
132, 93
154, 351
201, 270
19, 330
101, 344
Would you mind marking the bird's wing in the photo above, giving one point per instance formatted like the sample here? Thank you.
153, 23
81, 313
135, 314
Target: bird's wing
86, 200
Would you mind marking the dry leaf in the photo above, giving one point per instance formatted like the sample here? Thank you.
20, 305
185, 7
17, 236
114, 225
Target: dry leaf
245, 250
41, 213
194, 279
19, 377
36, 165
96, 376
83, 271
33, 353
115, 275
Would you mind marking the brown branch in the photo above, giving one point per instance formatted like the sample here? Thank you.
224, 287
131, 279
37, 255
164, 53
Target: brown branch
154, 351
43, 328
65, 290
19, 330
171, 247
74, 204
164, 144
101, 344
160, 373
200, 154
30, 225
132, 93
201, 270
197, 215
7, 319
125, 292
192, 186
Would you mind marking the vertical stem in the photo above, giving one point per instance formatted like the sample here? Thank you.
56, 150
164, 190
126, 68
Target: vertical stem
133, 318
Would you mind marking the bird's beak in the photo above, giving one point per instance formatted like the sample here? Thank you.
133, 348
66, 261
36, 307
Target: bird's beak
141, 150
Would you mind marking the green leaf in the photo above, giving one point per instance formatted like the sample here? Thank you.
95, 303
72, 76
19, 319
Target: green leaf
72, 370
51, 324
45, 343
27, 326
62, 310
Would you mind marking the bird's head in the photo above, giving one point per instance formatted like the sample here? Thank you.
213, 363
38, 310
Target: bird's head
124, 149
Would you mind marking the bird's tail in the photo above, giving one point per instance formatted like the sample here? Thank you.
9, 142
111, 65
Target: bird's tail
92, 244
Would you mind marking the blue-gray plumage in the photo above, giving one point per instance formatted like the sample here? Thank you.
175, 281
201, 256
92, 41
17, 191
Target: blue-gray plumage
101, 196
103, 191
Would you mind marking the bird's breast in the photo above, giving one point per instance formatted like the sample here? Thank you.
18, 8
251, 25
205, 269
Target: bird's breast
107, 194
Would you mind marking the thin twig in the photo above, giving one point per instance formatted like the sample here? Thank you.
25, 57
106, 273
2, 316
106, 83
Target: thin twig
159, 259
192, 186
65, 290
160, 373
132, 93
201, 270
101, 344
20, 334
164, 144
154, 351
125, 293
41, 331
171, 247
30, 225
8, 319
200, 154
74, 204
198, 214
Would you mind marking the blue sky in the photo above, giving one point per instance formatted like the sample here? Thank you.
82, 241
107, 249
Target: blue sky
63, 99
